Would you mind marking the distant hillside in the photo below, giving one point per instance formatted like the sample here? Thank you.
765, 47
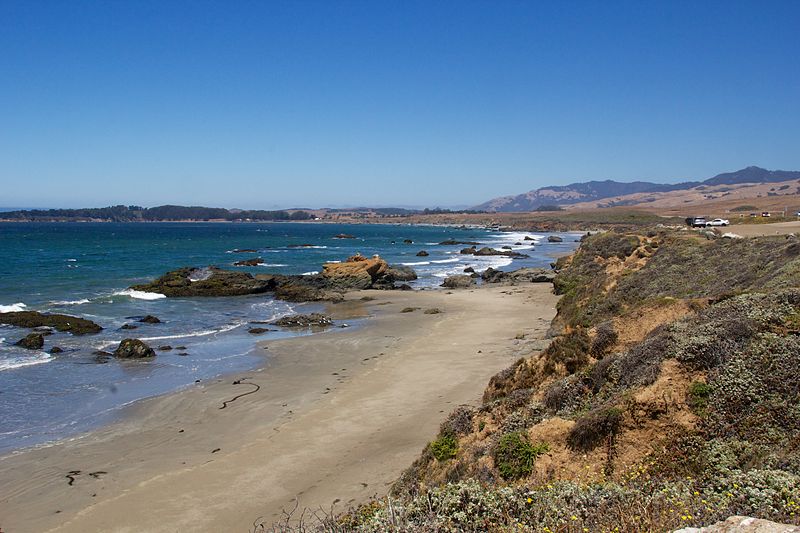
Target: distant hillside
582, 192
133, 213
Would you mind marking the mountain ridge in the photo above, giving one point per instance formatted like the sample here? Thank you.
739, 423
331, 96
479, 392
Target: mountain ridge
563, 195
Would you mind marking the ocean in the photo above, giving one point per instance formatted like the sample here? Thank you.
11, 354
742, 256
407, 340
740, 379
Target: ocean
85, 269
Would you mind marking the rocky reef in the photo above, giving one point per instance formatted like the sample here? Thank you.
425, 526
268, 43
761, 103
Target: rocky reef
64, 323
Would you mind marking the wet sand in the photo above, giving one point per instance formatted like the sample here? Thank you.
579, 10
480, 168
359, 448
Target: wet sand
331, 420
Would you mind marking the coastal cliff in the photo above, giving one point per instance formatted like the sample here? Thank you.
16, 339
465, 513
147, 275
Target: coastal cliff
668, 398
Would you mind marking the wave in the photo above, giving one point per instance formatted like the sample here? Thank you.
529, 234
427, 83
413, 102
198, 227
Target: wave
201, 333
311, 273
451, 260
71, 260
71, 302
17, 362
19, 306
418, 263
272, 265
140, 295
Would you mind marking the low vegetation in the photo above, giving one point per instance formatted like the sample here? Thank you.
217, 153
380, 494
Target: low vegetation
669, 398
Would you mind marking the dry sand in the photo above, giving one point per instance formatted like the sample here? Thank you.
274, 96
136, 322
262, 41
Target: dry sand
338, 416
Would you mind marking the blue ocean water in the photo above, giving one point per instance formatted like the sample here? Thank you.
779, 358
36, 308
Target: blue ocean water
84, 269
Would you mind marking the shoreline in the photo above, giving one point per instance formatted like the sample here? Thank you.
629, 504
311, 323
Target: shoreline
334, 417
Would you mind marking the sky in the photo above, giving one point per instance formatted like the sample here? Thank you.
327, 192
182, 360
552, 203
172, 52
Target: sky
270, 104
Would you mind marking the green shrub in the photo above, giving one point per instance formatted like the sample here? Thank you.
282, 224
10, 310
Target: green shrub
515, 455
445, 447
699, 391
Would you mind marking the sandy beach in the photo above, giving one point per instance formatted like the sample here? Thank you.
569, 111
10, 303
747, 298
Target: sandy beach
330, 420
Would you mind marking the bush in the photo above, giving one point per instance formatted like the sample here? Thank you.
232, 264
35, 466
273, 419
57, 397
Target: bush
445, 447
594, 428
515, 455
570, 350
605, 337
697, 397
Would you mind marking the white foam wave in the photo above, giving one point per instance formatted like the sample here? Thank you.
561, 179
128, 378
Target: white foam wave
201, 333
418, 263
312, 273
272, 265
17, 362
71, 302
451, 260
140, 295
71, 260
19, 306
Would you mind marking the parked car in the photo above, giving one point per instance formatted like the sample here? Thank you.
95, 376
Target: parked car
765, 214
698, 222
718, 222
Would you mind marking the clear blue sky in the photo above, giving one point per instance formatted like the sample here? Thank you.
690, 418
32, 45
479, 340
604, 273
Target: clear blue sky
313, 103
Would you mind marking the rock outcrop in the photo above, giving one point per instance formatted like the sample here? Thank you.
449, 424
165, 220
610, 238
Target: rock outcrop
554, 238
459, 281
451, 242
742, 524
249, 262
34, 319
133, 349
522, 275
304, 321
150, 319
33, 341
422, 253
357, 272
211, 281
491, 251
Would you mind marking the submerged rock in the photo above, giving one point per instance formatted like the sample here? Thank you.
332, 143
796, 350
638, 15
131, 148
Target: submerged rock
554, 238
34, 319
344, 236
249, 262
56, 349
133, 349
258, 331
150, 319
422, 253
128, 326
33, 341
304, 321
491, 251
210, 281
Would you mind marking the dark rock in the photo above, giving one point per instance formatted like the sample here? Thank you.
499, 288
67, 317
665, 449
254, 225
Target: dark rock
432, 311
344, 236
56, 349
165, 348
249, 262
554, 238
506, 248
258, 331
44, 330
400, 273
180, 347
527, 238
451, 242
409, 309
408, 241
33, 341
128, 326
517, 244
459, 281
34, 319
102, 353
133, 349
183, 354
469, 270
468, 251
522, 275
304, 321
491, 251
244, 251
211, 281
422, 253
150, 319
404, 287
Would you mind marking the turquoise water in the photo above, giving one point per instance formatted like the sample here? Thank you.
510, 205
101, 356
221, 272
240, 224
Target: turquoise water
84, 269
